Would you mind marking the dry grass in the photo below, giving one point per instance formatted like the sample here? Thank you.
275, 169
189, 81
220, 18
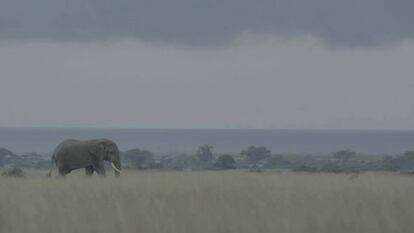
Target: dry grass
198, 202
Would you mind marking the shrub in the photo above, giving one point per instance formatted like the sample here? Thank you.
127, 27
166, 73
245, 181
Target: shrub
136, 158
331, 167
13, 172
225, 162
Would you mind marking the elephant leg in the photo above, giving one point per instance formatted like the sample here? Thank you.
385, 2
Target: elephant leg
63, 171
89, 170
101, 172
98, 165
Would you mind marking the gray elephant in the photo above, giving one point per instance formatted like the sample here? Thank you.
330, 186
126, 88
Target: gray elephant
73, 154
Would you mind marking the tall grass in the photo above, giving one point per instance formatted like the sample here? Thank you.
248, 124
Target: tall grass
198, 202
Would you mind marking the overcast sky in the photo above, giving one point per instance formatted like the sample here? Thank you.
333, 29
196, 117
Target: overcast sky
207, 64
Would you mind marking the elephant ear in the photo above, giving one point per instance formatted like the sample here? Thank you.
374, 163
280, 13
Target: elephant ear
97, 149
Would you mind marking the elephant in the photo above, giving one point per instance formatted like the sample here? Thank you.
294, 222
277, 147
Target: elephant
73, 154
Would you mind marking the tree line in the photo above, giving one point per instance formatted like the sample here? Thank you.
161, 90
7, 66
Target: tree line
254, 158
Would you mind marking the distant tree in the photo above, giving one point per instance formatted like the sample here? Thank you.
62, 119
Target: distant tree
255, 154
138, 158
404, 162
204, 153
388, 163
343, 156
225, 162
5, 154
409, 155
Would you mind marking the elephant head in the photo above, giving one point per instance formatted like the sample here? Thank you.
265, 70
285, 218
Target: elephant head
107, 150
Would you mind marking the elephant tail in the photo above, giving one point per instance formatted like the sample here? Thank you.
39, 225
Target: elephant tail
51, 166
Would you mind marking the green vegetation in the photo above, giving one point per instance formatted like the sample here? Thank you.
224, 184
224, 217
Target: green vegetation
255, 154
225, 162
253, 158
335, 192
13, 172
207, 201
204, 153
136, 158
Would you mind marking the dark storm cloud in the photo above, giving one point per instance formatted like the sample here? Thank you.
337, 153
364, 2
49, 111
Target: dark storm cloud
208, 22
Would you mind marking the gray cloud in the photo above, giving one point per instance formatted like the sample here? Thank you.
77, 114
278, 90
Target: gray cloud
253, 84
347, 23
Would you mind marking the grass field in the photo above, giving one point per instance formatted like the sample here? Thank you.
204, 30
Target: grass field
198, 202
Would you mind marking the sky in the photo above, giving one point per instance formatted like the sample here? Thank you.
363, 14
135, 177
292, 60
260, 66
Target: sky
291, 64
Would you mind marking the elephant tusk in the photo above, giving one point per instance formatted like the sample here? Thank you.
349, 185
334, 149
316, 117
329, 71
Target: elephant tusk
116, 169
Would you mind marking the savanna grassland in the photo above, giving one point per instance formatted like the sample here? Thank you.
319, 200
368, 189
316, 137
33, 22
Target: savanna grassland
198, 202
